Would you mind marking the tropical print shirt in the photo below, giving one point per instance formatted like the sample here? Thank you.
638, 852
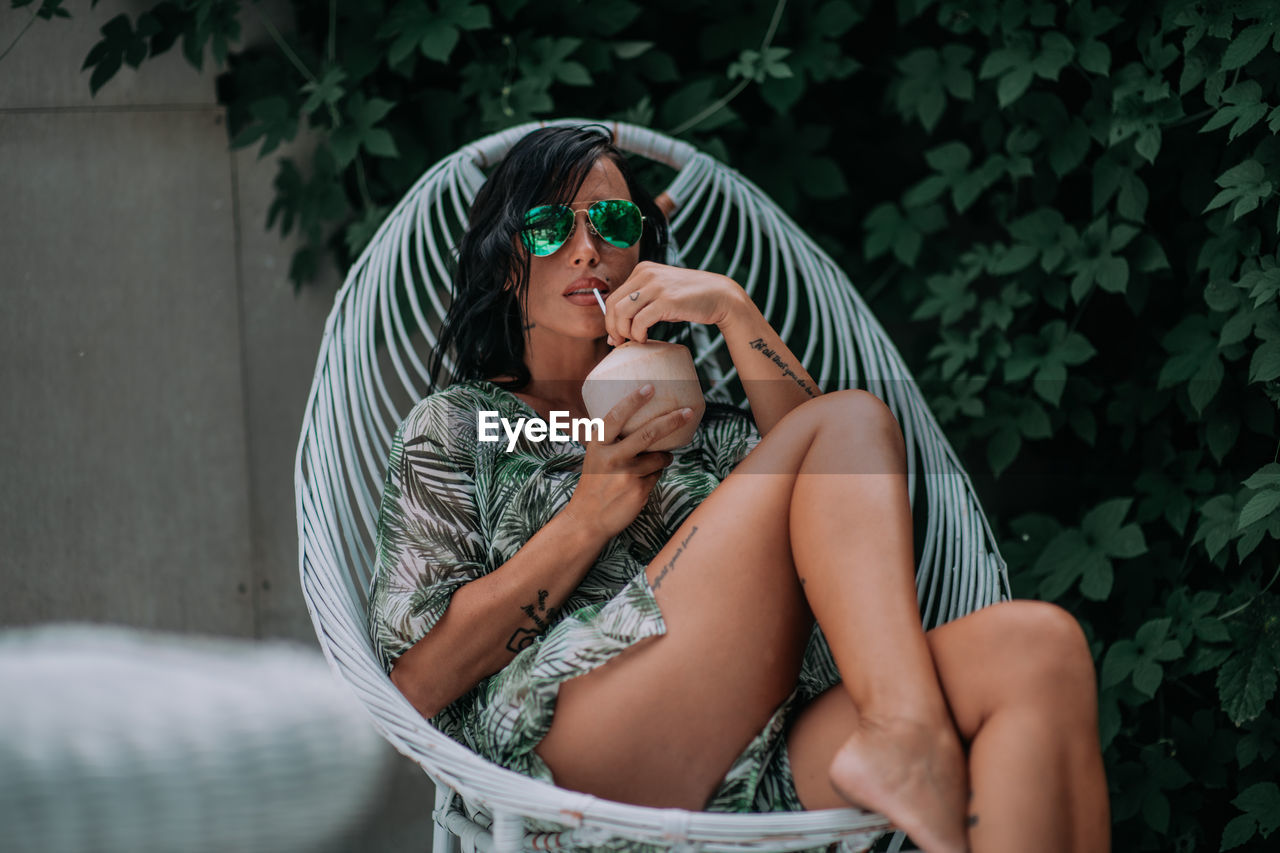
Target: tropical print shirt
455, 508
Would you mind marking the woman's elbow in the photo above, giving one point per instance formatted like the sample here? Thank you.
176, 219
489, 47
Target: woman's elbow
415, 691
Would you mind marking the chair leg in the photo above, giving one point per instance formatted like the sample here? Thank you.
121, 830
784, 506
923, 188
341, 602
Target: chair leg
443, 841
508, 832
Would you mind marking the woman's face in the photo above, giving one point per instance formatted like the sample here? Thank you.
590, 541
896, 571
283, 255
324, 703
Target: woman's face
584, 262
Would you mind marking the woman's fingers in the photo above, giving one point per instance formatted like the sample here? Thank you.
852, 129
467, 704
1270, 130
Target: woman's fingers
651, 463
627, 299
655, 430
618, 416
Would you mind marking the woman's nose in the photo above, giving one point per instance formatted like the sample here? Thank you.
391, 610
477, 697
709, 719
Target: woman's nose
582, 243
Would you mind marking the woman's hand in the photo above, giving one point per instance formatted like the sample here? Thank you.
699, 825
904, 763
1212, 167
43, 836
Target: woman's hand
618, 474
656, 293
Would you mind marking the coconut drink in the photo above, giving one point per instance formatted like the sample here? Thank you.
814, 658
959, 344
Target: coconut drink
632, 364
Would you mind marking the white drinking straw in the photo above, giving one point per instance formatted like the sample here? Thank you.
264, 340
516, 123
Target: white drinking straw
596, 291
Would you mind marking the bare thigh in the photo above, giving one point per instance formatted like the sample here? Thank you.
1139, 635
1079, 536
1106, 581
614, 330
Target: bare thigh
1009, 653
661, 723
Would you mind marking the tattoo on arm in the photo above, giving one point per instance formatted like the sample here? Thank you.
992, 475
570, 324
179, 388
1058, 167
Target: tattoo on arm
671, 564
771, 354
973, 820
524, 637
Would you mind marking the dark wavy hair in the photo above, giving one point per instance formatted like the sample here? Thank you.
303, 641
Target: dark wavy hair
484, 324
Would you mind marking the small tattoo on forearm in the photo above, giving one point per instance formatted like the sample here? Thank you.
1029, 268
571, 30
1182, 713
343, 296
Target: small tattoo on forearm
671, 564
759, 345
973, 820
801, 581
524, 637
521, 640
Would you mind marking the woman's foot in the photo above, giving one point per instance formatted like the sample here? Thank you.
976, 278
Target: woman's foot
913, 774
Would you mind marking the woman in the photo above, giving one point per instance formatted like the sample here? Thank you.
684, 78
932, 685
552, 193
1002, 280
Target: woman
640, 625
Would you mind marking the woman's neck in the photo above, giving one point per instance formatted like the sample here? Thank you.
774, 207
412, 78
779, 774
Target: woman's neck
557, 371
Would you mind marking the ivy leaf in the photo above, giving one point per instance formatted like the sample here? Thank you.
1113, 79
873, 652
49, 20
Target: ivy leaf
1095, 57
1194, 360
927, 76
433, 34
1246, 46
120, 44
835, 18
49, 9
360, 131
1094, 259
1217, 524
275, 121
1259, 507
1105, 530
1246, 109
1265, 363
607, 17
326, 91
1056, 50
1119, 662
631, 49
1247, 680
1085, 556
1245, 184
758, 66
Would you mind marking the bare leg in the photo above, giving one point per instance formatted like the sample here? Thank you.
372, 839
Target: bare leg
902, 758
1020, 682
675, 711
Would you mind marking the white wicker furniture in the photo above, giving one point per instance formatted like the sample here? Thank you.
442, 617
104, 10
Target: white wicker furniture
371, 371
121, 740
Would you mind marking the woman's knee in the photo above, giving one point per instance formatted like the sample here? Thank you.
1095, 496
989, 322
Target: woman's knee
1054, 666
854, 413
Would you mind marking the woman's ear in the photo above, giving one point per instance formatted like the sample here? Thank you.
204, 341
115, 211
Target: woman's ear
666, 204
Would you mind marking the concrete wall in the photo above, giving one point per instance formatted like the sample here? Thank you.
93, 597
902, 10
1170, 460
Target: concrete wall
154, 361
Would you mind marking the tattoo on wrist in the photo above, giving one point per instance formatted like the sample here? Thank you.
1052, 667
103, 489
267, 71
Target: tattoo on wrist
525, 637
671, 564
771, 354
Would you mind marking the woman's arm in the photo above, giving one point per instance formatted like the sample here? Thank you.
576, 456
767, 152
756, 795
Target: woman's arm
491, 618
773, 377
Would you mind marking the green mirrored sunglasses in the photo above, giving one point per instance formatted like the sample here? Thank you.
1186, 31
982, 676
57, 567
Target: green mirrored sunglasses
547, 227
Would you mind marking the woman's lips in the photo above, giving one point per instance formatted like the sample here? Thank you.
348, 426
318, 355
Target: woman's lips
586, 297
583, 298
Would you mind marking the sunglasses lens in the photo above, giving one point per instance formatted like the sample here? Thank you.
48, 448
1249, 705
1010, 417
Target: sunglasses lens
617, 221
546, 228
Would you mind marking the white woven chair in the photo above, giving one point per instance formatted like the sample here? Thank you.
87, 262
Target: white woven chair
116, 739
371, 371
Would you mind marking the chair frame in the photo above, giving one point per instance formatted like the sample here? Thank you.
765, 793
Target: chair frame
352, 412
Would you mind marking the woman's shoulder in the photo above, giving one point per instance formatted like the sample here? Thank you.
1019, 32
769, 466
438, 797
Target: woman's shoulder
463, 395
448, 414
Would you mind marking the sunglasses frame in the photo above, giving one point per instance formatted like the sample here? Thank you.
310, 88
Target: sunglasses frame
528, 242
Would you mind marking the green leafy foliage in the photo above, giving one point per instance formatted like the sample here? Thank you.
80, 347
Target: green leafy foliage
1067, 213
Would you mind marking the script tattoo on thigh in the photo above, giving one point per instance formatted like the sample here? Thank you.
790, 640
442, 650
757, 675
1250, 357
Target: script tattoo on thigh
671, 564
768, 352
524, 637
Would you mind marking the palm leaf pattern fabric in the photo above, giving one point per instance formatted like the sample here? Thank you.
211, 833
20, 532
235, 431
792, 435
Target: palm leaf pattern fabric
454, 509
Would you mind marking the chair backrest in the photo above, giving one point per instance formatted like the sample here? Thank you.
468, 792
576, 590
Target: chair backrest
372, 369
